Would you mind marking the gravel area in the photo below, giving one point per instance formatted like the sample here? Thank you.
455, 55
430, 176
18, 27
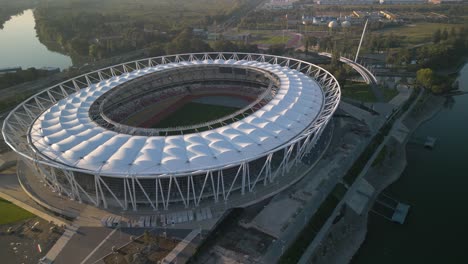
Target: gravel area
19, 242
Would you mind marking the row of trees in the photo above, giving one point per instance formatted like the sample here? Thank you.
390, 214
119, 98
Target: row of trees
10, 8
447, 48
430, 80
83, 30
186, 42
380, 42
446, 52
10, 79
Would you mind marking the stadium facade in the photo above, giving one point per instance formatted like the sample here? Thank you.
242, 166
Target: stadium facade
78, 136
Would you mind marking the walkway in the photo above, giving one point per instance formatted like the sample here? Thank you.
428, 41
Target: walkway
366, 74
62, 242
171, 257
329, 170
11, 190
374, 122
352, 189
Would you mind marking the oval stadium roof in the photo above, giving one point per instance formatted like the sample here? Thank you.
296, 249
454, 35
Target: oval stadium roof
65, 133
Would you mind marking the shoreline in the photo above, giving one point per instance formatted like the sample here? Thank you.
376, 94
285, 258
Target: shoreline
435, 105
349, 231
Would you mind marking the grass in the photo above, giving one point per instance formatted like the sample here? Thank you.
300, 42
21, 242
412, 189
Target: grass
419, 32
295, 251
272, 40
267, 37
362, 92
358, 91
388, 93
10, 213
194, 113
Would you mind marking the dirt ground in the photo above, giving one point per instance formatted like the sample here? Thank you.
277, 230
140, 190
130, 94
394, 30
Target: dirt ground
236, 244
146, 249
19, 242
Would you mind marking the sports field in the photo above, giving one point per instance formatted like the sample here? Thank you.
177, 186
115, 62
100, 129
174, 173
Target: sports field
10, 213
194, 113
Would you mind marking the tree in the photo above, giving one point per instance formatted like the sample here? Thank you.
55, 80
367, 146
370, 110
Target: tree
444, 35
277, 49
156, 50
437, 36
249, 48
453, 34
198, 45
80, 46
425, 77
224, 45
313, 40
335, 59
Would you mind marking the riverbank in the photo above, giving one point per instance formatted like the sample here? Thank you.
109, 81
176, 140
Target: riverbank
20, 46
349, 229
395, 161
10, 9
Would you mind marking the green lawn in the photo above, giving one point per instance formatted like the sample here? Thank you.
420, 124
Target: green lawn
194, 113
10, 213
267, 37
358, 91
419, 32
363, 93
388, 93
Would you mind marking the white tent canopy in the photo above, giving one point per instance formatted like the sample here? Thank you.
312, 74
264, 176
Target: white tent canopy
66, 134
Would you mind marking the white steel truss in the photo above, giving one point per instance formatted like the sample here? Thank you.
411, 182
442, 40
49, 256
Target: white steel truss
159, 192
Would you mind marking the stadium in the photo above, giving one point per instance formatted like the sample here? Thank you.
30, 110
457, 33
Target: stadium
178, 131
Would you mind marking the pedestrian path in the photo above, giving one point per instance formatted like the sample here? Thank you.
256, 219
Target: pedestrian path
171, 257
33, 210
62, 242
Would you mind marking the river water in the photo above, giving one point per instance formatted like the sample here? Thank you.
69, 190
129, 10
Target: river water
435, 184
19, 45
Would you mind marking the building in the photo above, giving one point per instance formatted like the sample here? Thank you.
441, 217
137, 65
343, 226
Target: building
280, 4
388, 15
317, 20
77, 137
403, 2
445, 1
346, 2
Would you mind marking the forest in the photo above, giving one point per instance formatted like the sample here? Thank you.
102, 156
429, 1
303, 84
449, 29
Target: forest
100, 29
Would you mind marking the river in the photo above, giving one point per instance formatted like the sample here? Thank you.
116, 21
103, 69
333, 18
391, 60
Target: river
19, 45
435, 184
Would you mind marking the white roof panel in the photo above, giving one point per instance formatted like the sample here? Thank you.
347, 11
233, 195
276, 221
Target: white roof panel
65, 133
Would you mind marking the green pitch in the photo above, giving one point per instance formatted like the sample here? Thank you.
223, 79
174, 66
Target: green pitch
10, 213
194, 113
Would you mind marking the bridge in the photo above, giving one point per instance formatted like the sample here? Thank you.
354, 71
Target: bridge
366, 74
